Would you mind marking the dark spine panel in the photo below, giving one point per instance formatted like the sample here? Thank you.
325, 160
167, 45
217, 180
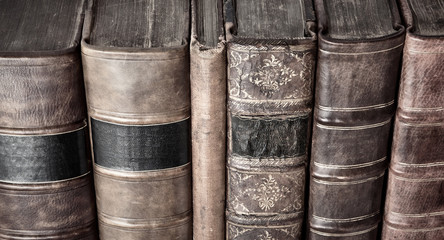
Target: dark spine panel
139, 148
43, 158
261, 137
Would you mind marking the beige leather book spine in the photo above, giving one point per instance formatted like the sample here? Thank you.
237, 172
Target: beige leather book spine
208, 129
139, 108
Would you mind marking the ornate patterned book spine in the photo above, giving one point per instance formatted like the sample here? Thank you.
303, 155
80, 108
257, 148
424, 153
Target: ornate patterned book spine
46, 188
138, 97
208, 120
415, 201
360, 46
269, 114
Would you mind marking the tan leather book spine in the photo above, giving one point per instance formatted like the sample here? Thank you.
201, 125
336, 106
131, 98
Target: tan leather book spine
46, 187
208, 130
270, 97
139, 108
357, 74
414, 206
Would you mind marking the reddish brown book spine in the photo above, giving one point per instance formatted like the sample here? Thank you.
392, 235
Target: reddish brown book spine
414, 206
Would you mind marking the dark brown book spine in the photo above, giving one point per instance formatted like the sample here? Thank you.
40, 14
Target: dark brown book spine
139, 108
46, 188
208, 123
270, 96
354, 106
415, 202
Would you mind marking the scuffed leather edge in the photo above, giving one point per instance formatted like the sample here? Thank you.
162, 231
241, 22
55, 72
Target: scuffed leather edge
358, 46
415, 42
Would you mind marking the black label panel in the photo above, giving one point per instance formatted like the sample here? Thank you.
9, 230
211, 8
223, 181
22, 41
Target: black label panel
139, 148
43, 158
258, 137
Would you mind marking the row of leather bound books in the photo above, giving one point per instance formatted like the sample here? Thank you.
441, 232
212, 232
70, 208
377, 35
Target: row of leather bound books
210, 120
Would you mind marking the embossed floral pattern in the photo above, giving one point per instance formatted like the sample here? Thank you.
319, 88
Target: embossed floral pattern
235, 231
266, 236
271, 75
268, 192
245, 232
270, 72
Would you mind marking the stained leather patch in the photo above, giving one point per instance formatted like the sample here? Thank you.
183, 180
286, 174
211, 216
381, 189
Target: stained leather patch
258, 137
139, 148
43, 158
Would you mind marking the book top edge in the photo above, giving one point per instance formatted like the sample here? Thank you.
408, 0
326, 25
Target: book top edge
424, 18
269, 21
357, 21
140, 25
127, 53
41, 27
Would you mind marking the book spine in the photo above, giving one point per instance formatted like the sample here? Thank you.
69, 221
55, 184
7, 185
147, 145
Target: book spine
414, 205
139, 108
46, 188
208, 128
269, 114
354, 106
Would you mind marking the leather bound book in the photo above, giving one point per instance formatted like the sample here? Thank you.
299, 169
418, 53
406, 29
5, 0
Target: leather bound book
360, 46
208, 119
46, 188
271, 60
136, 66
414, 206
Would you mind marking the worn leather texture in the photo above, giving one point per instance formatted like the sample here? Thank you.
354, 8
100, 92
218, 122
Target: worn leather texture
48, 210
208, 128
32, 79
414, 206
270, 97
141, 98
46, 187
144, 204
354, 106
